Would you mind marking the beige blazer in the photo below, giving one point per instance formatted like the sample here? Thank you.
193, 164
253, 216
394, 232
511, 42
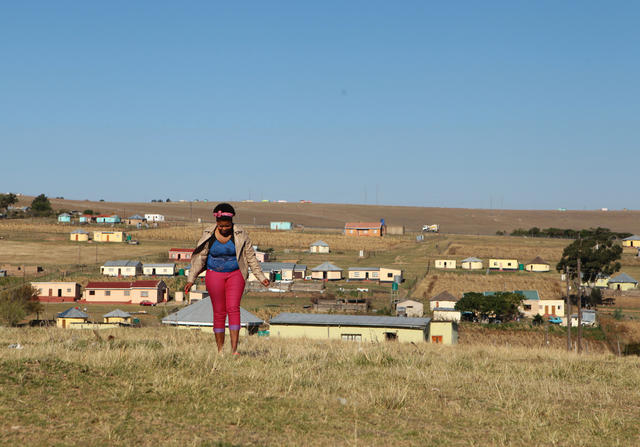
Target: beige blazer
244, 253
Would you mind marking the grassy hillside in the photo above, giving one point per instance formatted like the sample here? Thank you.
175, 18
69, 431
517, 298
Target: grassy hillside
167, 387
451, 220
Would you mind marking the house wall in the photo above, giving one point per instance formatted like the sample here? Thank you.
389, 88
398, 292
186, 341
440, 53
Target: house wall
412, 308
67, 322
434, 304
474, 265
622, 286
369, 232
116, 320
79, 237
92, 326
208, 329
107, 296
58, 291
503, 264
162, 271
155, 295
367, 334
388, 275
108, 236
319, 249
537, 267
281, 225
121, 271
543, 307
445, 264
183, 256
64, 219
447, 315
631, 243
363, 274
445, 329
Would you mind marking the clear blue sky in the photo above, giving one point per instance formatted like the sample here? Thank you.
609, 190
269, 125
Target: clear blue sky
515, 104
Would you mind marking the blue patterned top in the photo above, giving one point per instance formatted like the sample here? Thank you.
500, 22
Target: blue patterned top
222, 257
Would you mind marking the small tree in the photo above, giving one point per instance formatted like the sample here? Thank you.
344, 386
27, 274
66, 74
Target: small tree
502, 305
40, 206
88, 212
17, 303
538, 320
7, 199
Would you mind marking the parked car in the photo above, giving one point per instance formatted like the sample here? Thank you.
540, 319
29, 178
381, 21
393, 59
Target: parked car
555, 320
147, 303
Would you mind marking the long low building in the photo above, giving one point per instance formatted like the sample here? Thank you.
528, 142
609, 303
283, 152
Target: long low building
159, 269
199, 315
126, 292
57, 291
362, 328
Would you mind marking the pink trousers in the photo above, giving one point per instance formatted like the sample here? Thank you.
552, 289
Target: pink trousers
225, 291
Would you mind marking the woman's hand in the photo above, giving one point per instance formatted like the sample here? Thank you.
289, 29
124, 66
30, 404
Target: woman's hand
187, 287
265, 282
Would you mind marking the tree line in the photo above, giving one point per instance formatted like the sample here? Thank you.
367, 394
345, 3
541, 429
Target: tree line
565, 233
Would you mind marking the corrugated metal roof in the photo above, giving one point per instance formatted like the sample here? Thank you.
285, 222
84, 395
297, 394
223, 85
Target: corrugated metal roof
622, 277
168, 265
200, 313
445, 309
326, 267
349, 320
271, 266
538, 260
472, 259
72, 313
365, 268
79, 232
136, 216
187, 250
320, 244
635, 237
363, 225
117, 313
122, 263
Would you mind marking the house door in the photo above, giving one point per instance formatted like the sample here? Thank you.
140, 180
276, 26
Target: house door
76, 237
546, 310
153, 272
178, 256
366, 275
324, 275
119, 272
553, 310
50, 292
64, 324
618, 286
59, 293
437, 339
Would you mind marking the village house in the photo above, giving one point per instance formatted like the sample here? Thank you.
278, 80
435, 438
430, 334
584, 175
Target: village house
601, 282
472, 264
537, 265
363, 273
371, 229
631, 241
79, 235
449, 264
108, 236
443, 332
443, 300
87, 218
154, 217
278, 226
622, 282
410, 308
126, 292
136, 220
21, 270
121, 268
64, 218
201, 275
180, 254
108, 218
57, 291
319, 247
360, 328
280, 271
117, 316
533, 305
588, 318
446, 314
390, 275
326, 271
503, 264
159, 269
261, 256
199, 316
71, 316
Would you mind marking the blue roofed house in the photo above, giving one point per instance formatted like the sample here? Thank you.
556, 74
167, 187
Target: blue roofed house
199, 315
622, 282
64, 218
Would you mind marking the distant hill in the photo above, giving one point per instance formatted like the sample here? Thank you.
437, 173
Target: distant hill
451, 220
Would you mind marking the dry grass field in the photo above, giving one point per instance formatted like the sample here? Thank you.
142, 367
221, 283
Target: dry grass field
451, 220
167, 387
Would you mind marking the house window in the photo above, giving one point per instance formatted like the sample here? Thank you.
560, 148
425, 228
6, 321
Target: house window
390, 336
92, 292
352, 337
389, 275
68, 290
366, 231
436, 339
127, 292
375, 231
356, 274
107, 293
527, 307
144, 293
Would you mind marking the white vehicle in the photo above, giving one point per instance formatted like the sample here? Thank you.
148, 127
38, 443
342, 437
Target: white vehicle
435, 228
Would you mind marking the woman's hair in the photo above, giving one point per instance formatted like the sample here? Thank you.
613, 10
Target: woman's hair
224, 211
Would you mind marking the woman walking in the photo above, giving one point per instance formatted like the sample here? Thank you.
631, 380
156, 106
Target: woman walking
226, 252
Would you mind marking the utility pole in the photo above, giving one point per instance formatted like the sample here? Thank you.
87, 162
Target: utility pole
566, 273
579, 305
191, 210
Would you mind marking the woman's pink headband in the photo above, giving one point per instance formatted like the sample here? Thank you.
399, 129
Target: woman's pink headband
220, 214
